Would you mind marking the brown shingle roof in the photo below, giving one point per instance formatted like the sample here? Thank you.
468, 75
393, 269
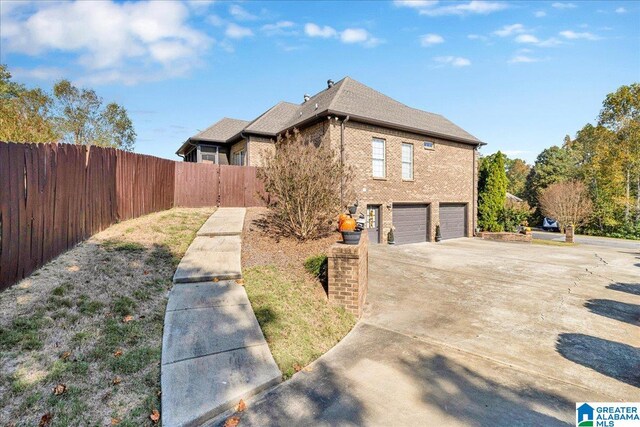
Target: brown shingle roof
273, 120
221, 130
350, 97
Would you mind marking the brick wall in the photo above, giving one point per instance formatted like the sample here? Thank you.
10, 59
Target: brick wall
238, 146
259, 147
445, 174
348, 274
506, 237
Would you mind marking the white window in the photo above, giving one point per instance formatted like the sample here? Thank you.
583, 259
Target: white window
378, 158
238, 158
407, 161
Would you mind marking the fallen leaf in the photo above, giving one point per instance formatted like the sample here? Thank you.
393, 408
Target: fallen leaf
65, 355
241, 406
146, 272
45, 420
307, 369
127, 319
232, 422
155, 416
59, 389
297, 367
115, 421
73, 268
117, 380
118, 353
215, 279
240, 282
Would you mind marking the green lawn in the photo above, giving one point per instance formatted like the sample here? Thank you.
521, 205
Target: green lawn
296, 319
91, 321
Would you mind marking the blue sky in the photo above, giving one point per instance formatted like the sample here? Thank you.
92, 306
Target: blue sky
518, 75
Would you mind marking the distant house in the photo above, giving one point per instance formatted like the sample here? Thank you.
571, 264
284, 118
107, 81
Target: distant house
413, 169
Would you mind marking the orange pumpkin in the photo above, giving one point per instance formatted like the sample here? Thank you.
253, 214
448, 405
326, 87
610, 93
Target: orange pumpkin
341, 219
348, 224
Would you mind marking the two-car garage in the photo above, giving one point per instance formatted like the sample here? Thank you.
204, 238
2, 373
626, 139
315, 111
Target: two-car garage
412, 222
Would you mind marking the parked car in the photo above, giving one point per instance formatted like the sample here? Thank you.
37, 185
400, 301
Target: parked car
549, 224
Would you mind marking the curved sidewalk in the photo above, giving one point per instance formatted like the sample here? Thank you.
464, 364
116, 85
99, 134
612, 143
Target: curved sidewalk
213, 350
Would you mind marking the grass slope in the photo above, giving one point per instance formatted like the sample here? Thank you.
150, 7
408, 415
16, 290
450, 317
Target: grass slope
92, 320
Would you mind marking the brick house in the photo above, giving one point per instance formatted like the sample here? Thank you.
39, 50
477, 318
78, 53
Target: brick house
412, 169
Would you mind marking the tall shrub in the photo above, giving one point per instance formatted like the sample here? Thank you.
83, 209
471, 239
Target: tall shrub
302, 179
492, 191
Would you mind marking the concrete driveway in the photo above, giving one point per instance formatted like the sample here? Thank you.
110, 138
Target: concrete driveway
469, 332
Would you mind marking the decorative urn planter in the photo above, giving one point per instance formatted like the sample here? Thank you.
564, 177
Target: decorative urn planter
438, 235
351, 237
390, 238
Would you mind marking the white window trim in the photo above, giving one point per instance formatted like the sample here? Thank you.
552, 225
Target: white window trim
384, 158
402, 162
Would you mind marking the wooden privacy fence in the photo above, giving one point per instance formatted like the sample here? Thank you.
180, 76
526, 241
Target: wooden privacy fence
53, 196
199, 185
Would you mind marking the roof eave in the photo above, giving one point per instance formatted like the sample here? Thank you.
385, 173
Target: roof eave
408, 128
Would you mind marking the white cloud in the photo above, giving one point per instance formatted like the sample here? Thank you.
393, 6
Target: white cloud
427, 40
199, 6
215, 20
540, 14
279, 28
509, 30
550, 42
454, 61
40, 73
527, 38
518, 59
621, 10
354, 35
152, 38
359, 35
239, 13
235, 31
572, 35
559, 5
477, 7
416, 4
348, 35
314, 30
477, 37
431, 8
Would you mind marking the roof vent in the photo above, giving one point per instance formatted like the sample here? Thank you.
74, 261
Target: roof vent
330, 83
306, 97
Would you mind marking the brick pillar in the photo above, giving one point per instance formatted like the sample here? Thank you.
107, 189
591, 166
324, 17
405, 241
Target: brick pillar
568, 236
348, 273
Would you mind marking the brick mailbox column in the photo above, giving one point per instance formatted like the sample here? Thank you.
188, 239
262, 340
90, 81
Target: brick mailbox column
348, 273
568, 237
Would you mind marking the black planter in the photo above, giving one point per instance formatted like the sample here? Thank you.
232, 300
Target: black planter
351, 237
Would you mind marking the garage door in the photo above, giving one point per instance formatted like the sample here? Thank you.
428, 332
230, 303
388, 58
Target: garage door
411, 223
453, 220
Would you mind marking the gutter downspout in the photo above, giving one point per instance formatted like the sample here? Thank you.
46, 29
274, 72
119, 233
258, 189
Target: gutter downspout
475, 189
342, 160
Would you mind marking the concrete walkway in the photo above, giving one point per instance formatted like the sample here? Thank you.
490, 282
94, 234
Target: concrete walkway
213, 350
470, 332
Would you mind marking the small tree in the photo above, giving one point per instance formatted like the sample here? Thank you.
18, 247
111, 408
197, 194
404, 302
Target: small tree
514, 214
302, 179
567, 202
492, 191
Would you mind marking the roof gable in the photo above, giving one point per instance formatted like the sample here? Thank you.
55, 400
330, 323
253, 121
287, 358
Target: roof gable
221, 130
273, 120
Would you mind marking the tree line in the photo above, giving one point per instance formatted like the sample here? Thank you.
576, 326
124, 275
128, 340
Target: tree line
68, 114
591, 181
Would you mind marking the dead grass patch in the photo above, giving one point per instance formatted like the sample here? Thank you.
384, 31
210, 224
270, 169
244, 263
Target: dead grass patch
69, 324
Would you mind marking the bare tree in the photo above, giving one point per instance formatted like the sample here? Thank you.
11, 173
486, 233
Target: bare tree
567, 202
302, 179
